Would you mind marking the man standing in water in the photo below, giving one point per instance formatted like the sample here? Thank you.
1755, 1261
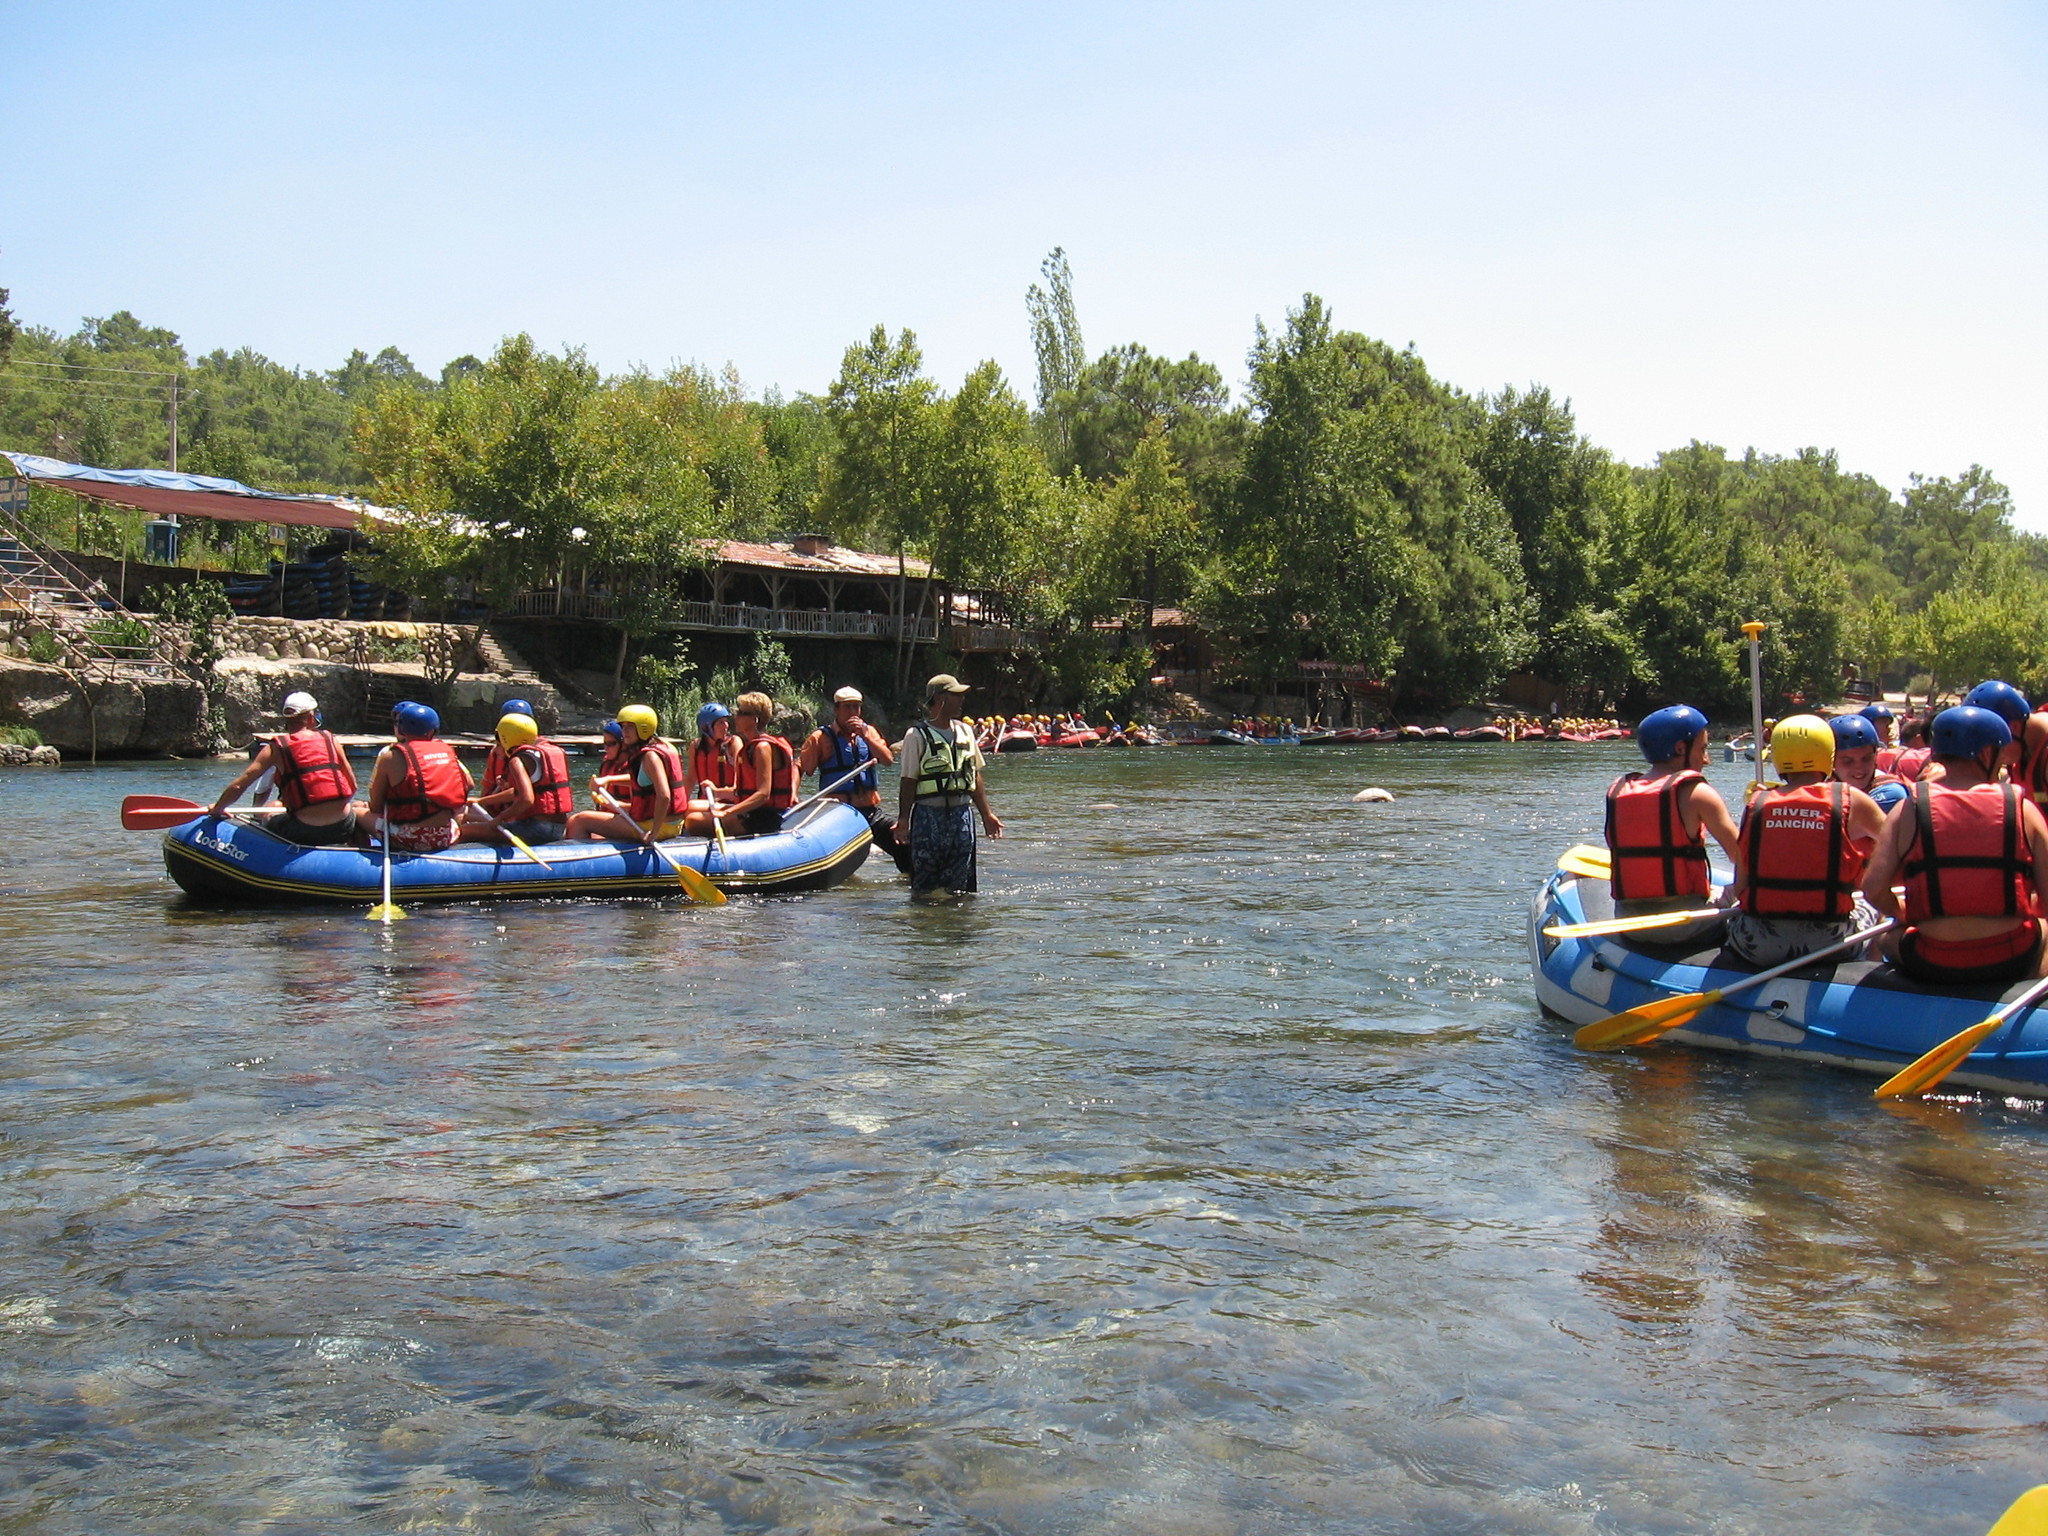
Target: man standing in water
941, 790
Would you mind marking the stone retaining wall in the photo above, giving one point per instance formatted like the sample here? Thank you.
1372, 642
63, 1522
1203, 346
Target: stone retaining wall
338, 639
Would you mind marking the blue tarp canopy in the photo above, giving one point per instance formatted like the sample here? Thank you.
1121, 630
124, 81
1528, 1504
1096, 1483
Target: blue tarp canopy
165, 492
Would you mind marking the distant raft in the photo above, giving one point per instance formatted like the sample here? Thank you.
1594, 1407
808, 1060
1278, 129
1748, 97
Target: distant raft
225, 860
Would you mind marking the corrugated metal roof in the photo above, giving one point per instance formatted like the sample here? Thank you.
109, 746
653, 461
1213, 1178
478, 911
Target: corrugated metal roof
832, 561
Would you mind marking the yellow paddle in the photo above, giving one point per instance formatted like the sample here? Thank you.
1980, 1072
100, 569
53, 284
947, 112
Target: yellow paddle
694, 885
1627, 924
1930, 1069
521, 844
1643, 1024
386, 910
2027, 1517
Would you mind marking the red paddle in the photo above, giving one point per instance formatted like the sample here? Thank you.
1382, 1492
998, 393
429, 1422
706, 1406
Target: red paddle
152, 813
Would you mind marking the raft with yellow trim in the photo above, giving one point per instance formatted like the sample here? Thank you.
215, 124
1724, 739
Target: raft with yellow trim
1859, 1014
225, 860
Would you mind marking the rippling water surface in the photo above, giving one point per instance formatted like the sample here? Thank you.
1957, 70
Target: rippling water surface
1212, 1172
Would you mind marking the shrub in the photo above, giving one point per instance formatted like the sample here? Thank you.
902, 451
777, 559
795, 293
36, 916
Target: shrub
120, 631
45, 648
20, 736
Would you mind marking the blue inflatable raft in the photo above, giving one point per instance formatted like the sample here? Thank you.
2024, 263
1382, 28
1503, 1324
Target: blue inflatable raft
1859, 1014
237, 861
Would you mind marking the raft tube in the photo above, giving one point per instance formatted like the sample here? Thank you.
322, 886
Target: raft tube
1859, 1014
1017, 741
234, 861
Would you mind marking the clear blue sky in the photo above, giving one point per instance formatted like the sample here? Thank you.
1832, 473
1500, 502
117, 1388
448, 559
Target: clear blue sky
1756, 224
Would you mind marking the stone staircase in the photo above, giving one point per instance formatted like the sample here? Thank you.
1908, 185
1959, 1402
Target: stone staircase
568, 704
44, 594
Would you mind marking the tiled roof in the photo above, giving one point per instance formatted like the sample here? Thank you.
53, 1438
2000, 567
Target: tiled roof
833, 560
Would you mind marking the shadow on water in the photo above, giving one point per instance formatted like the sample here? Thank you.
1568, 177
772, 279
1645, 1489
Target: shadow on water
1212, 1171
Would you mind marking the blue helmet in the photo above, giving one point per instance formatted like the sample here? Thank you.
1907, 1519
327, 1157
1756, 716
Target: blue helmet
1852, 731
516, 707
710, 715
1967, 730
1875, 712
613, 729
416, 719
1663, 733
2002, 699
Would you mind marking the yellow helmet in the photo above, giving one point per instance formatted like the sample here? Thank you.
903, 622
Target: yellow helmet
1803, 744
516, 731
642, 719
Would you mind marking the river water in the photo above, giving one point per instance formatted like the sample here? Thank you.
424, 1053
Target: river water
1212, 1172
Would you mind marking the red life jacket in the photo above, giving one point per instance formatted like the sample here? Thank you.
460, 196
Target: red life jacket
708, 765
643, 806
547, 768
1653, 857
2033, 770
1798, 855
494, 771
311, 769
430, 783
1969, 856
1886, 757
1910, 761
782, 784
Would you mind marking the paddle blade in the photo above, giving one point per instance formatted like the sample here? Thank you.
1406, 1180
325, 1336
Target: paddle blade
384, 912
1586, 853
156, 818
144, 813
1930, 1069
2027, 1517
1641, 1025
1584, 868
1627, 924
698, 888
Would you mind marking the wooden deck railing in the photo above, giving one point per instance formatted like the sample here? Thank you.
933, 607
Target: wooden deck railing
728, 616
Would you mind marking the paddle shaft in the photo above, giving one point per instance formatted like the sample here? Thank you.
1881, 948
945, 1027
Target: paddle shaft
1928, 1070
1629, 924
1806, 959
385, 910
1755, 632
1647, 1021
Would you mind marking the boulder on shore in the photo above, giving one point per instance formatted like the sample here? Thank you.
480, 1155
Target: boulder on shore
127, 714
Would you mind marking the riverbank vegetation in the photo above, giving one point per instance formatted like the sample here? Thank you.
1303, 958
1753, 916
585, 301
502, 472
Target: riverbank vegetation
1350, 509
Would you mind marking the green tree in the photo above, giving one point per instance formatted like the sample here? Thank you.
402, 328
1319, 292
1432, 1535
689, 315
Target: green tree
1153, 523
1361, 534
360, 375
1056, 339
882, 485
536, 464
9, 329
988, 477
1945, 523
1128, 390
1992, 622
